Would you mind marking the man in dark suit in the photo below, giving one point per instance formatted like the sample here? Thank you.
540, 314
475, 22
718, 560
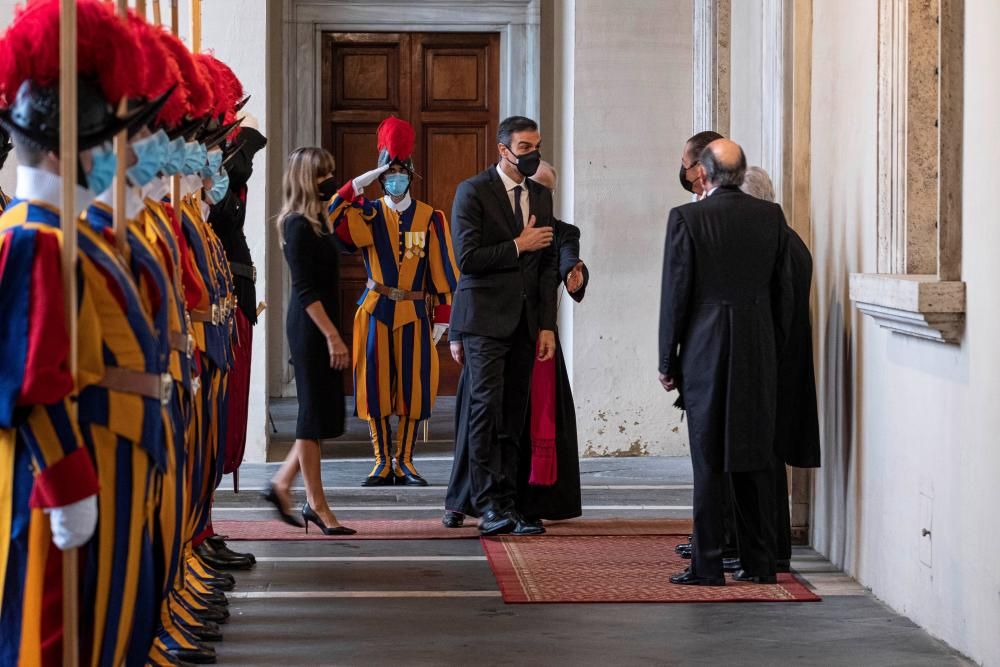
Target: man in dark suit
725, 307
504, 312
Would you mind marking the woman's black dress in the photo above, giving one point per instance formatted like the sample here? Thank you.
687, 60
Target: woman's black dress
314, 263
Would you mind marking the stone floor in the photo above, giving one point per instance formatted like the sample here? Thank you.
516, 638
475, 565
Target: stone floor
436, 602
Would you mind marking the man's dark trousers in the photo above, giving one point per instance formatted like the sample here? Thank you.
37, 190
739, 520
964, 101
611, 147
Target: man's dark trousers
499, 377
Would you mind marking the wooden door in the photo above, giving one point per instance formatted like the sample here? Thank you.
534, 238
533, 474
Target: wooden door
447, 85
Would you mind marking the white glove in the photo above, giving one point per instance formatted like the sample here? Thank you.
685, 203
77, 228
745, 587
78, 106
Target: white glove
439, 332
73, 524
367, 178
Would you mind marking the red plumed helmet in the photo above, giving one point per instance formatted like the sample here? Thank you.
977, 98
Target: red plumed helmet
107, 49
200, 97
396, 139
162, 72
226, 86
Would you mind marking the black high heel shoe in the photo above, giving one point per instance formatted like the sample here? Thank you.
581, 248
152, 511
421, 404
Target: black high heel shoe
271, 496
309, 515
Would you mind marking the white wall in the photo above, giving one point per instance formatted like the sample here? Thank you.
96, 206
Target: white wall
242, 45
630, 112
910, 427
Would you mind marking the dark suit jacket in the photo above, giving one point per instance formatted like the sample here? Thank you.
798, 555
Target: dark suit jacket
726, 305
495, 281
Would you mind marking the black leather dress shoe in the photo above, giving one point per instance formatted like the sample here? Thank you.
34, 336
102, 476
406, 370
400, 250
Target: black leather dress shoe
270, 494
783, 566
219, 583
524, 528
219, 544
686, 578
213, 614
453, 519
682, 547
493, 523
410, 479
743, 575
220, 561
195, 656
207, 632
730, 564
388, 480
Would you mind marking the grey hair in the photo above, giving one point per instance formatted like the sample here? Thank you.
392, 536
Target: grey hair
757, 183
719, 174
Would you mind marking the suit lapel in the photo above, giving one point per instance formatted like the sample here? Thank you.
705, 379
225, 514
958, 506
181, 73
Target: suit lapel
504, 199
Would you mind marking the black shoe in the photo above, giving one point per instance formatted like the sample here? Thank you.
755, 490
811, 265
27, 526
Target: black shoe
308, 515
453, 519
207, 632
730, 564
525, 527
221, 561
686, 578
219, 584
271, 496
212, 614
682, 547
388, 480
195, 656
743, 575
218, 543
494, 523
410, 479
783, 566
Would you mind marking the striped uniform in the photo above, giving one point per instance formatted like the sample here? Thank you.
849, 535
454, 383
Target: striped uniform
395, 361
43, 462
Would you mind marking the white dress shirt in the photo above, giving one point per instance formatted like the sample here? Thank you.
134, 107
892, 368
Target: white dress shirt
509, 184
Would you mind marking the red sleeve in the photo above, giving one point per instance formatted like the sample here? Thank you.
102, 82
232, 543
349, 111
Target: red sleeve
442, 314
47, 378
70, 480
194, 287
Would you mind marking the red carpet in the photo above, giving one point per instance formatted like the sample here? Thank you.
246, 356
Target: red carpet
632, 568
431, 529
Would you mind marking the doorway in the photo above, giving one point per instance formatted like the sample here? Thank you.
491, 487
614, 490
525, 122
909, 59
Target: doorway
448, 86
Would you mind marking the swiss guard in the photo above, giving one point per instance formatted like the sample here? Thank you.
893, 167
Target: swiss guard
96, 462
407, 252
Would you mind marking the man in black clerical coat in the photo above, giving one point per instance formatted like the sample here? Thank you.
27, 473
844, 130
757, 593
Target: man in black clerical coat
796, 438
725, 309
562, 500
504, 311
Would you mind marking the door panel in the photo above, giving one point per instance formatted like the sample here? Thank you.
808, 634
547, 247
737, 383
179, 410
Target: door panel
447, 86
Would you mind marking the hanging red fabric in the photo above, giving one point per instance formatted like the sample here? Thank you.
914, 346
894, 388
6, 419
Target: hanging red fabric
543, 423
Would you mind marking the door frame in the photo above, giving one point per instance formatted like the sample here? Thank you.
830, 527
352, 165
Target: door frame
305, 21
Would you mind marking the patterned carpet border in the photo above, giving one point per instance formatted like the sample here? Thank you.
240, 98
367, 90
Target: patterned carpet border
431, 529
613, 569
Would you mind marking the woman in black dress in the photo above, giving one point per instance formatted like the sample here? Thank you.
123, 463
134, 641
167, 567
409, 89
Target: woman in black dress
319, 354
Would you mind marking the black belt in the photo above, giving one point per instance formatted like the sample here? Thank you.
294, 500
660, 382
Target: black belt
248, 271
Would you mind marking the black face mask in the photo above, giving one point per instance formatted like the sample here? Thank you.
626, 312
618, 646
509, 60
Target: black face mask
528, 163
327, 189
685, 183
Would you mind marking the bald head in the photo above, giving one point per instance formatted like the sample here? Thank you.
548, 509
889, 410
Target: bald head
724, 163
546, 175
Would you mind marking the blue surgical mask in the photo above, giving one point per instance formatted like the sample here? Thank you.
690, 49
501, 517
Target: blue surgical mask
174, 161
220, 185
150, 153
213, 164
102, 172
195, 158
396, 184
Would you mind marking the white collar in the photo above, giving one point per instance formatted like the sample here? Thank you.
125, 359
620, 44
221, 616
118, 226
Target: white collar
35, 184
712, 191
157, 189
133, 201
508, 182
403, 204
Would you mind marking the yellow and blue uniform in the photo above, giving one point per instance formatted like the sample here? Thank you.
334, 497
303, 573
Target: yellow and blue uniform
43, 462
395, 361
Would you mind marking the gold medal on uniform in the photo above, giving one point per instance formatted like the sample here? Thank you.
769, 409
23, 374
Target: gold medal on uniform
415, 242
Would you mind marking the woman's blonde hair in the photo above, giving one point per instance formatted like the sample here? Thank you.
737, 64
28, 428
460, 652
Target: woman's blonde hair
301, 195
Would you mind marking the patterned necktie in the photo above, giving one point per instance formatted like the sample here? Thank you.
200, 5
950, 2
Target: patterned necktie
518, 215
